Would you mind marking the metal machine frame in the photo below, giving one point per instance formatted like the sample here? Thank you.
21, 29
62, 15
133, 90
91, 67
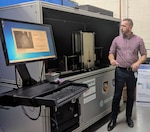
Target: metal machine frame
97, 100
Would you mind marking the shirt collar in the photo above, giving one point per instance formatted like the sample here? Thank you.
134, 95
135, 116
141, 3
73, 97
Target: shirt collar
128, 37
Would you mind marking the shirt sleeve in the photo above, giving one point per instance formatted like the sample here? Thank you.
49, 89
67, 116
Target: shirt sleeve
142, 49
113, 47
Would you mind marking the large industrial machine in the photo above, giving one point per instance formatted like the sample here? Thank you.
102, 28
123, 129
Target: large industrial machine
23, 42
70, 43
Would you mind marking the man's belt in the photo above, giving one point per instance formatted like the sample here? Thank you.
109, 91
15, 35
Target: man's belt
124, 68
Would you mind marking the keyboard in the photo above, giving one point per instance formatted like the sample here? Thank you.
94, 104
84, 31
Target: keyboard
62, 96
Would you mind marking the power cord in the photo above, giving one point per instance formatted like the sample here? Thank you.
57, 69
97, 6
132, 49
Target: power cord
42, 71
25, 112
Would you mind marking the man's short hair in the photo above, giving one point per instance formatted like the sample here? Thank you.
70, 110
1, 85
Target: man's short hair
129, 21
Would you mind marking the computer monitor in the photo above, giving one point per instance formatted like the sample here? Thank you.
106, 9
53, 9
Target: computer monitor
24, 42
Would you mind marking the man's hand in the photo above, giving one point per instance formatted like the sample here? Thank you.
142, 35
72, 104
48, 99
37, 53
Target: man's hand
114, 63
135, 66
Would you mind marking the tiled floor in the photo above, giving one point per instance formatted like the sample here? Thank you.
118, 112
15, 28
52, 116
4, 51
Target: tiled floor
141, 118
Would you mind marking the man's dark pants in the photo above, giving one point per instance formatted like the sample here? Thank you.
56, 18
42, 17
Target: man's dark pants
122, 77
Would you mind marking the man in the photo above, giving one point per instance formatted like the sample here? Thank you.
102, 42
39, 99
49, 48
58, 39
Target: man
124, 54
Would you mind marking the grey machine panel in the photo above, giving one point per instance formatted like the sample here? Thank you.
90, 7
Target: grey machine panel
13, 119
96, 102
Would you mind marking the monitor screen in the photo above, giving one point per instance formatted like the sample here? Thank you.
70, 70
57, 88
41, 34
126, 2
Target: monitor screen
24, 42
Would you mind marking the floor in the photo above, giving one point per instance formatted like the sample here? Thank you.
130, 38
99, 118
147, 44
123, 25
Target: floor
141, 118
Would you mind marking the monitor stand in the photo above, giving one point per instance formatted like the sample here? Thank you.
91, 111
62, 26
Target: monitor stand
27, 80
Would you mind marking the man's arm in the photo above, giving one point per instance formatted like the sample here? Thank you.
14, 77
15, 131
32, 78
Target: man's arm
112, 60
142, 59
136, 65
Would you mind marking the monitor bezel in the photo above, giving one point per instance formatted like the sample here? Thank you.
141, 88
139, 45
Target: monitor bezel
2, 37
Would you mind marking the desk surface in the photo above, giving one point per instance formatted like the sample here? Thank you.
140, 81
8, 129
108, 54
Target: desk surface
27, 95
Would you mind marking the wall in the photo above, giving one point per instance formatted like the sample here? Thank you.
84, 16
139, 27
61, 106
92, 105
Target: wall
138, 10
104, 4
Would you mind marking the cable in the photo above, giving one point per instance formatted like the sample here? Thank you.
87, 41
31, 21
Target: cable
55, 123
42, 71
16, 77
7, 83
25, 112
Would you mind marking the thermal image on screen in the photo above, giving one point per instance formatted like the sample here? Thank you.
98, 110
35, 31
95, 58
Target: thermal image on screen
24, 41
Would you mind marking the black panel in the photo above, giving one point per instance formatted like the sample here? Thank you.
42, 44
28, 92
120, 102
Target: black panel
105, 31
65, 23
65, 118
